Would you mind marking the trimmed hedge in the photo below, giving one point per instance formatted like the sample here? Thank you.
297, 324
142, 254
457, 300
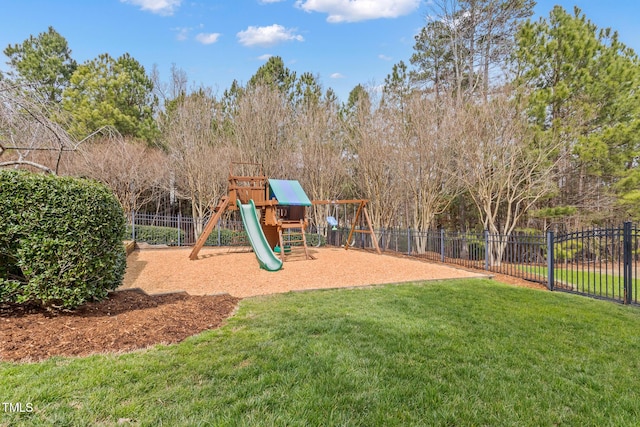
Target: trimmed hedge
156, 235
60, 240
227, 238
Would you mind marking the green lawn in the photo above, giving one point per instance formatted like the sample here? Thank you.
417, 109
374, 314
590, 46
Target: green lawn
461, 353
588, 281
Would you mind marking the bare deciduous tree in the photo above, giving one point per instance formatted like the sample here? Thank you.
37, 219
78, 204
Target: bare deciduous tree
376, 162
198, 154
262, 131
427, 159
134, 171
323, 173
500, 164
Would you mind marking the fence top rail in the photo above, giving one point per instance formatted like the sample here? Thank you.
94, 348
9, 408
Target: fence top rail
611, 233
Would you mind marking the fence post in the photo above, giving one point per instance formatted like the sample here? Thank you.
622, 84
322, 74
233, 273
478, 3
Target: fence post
486, 249
179, 229
550, 261
627, 258
133, 225
409, 241
218, 227
442, 244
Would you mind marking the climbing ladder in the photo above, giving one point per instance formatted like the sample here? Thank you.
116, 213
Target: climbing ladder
295, 234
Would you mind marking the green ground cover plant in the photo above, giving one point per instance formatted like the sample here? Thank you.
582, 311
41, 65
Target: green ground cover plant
465, 352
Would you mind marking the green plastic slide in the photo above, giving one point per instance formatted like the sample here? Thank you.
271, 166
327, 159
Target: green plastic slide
266, 258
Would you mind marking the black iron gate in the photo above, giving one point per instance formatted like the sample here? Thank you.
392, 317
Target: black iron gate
598, 262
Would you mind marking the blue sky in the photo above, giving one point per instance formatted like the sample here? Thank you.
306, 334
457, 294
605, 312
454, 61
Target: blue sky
344, 42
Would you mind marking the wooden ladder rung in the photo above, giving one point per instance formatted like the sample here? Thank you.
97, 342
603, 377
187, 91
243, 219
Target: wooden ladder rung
297, 236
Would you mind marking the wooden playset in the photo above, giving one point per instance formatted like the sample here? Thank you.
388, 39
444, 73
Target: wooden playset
270, 208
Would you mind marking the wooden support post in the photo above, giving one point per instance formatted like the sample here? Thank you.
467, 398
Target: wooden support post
374, 240
353, 226
304, 240
219, 210
281, 242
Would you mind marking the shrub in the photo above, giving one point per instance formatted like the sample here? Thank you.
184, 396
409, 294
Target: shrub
156, 235
315, 239
60, 240
566, 252
227, 238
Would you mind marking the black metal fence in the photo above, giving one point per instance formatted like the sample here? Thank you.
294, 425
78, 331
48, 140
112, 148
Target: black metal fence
597, 262
178, 230
601, 262
519, 255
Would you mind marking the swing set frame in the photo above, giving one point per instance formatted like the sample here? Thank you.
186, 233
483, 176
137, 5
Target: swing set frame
362, 210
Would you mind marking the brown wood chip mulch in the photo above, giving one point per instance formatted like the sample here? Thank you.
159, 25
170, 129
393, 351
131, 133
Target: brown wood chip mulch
125, 321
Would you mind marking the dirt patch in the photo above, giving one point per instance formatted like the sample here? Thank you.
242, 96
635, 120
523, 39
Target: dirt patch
515, 281
133, 319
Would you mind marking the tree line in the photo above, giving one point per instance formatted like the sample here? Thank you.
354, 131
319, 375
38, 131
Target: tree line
495, 122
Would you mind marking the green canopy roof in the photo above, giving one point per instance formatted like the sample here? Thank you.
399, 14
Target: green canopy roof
288, 192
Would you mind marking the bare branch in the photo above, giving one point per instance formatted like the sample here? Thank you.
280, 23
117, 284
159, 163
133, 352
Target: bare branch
28, 126
26, 163
105, 131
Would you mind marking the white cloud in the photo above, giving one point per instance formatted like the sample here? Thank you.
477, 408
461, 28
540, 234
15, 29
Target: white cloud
385, 57
207, 38
160, 7
337, 76
267, 36
182, 33
358, 10
265, 57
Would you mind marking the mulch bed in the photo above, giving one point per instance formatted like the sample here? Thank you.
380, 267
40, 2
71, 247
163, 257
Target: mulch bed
125, 321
